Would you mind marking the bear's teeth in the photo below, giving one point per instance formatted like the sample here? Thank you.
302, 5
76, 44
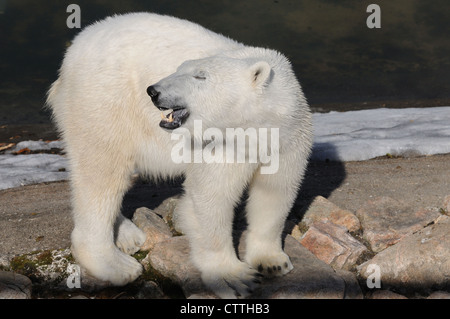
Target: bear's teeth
167, 115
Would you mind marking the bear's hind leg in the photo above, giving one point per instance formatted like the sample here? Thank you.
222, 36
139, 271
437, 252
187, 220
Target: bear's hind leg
128, 237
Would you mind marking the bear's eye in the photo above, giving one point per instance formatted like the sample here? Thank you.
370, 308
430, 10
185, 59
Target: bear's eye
200, 76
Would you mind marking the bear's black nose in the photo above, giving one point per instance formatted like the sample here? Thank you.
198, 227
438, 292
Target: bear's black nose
151, 91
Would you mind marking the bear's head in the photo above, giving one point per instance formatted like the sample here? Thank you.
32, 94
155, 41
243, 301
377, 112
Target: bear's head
221, 91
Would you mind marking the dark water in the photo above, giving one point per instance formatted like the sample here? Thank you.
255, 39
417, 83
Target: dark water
341, 63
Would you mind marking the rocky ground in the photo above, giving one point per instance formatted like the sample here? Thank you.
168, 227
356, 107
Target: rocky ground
374, 229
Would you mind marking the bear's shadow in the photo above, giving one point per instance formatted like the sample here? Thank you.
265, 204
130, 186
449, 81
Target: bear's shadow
150, 194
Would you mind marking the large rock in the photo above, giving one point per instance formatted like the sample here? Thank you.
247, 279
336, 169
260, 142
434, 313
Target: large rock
153, 226
167, 207
14, 286
333, 245
352, 288
310, 278
419, 262
386, 221
171, 259
322, 210
294, 229
167, 211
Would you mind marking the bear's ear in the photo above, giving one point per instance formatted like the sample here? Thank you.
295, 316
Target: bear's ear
259, 72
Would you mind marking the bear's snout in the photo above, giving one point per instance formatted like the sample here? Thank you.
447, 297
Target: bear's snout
153, 93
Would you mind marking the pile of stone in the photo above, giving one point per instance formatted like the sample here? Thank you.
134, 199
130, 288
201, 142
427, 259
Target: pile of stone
386, 249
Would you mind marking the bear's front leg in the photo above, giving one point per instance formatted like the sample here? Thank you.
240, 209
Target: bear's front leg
97, 197
206, 214
271, 197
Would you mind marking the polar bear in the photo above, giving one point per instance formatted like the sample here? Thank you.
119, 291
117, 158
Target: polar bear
116, 78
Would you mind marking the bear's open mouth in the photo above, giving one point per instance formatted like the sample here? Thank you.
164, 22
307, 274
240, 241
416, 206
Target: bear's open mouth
173, 118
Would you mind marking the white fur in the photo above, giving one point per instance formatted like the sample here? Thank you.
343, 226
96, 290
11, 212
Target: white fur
111, 128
